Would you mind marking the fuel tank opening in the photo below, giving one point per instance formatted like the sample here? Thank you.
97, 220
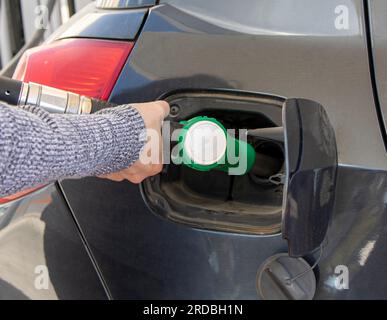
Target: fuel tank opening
248, 203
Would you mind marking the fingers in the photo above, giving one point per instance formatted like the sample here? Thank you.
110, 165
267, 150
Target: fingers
146, 170
164, 107
136, 175
136, 179
113, 176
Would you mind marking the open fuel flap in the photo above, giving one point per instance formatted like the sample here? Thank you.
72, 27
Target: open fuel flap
290, 188
311, 169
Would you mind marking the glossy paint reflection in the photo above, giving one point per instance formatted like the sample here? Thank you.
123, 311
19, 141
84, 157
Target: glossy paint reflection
37, 235
357, 236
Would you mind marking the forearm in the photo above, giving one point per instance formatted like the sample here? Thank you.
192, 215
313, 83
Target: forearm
37, 147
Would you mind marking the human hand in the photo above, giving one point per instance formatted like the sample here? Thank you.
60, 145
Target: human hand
153, 114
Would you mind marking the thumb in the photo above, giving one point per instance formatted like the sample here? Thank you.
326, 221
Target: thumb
164, 107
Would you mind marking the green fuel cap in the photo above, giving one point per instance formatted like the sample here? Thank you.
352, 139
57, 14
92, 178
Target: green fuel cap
205, 144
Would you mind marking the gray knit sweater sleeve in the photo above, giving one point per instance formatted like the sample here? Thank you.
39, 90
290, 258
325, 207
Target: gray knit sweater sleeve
37, 147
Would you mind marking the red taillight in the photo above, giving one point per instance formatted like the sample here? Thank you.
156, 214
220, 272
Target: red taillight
86, 66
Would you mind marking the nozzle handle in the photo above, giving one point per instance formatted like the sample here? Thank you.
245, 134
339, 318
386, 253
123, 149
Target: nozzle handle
50, 99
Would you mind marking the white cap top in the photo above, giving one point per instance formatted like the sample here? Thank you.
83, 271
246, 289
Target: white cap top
205, 142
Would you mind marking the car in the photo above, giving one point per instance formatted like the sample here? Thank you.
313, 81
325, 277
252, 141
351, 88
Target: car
316, 217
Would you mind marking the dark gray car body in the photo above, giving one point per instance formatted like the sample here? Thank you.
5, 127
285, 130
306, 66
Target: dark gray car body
104, 240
